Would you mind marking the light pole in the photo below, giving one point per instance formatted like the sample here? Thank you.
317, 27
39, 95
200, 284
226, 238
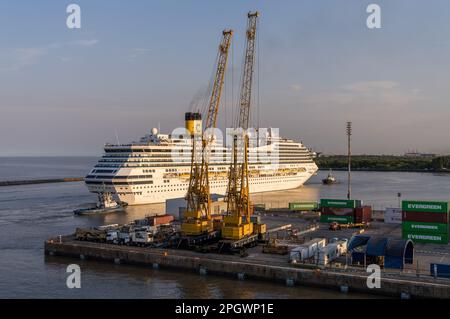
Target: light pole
349, 134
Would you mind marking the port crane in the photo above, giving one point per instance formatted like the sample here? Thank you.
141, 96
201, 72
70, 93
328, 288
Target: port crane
236, 224
197, 218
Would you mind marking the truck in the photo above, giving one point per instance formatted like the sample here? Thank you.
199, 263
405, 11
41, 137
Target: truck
142, 237
112, 237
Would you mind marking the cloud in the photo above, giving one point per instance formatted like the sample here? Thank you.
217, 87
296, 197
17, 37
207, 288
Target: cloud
84, 43
22, 57
367, 97
295, 87
370, 86
137, 52
28, 56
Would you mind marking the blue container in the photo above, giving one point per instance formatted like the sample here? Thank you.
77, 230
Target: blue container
440, 270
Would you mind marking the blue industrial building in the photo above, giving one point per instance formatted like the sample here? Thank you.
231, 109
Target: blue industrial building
386, 252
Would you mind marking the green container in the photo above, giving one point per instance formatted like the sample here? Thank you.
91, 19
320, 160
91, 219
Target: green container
424, 206
337, 219
305, 206
426, 228
441, 239
338, 203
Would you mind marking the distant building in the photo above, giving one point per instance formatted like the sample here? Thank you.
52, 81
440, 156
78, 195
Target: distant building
421, 155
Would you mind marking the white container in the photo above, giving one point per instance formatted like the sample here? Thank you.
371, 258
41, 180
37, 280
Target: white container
328, 253
332, 251
307, 250
393, 215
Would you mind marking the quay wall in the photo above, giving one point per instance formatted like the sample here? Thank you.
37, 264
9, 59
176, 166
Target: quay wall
187, 260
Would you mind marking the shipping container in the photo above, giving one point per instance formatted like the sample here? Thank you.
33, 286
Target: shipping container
440, 270
340, 203
337, 211
159, 220
425, 217
424, 206
393, 215
307, 250
426, 238
303, 206
338, 219
427, 228
363, 214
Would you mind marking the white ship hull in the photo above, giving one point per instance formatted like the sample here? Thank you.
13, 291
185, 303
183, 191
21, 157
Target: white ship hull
257, 185
147, 172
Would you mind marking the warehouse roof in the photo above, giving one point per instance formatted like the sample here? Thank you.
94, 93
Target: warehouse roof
358, 240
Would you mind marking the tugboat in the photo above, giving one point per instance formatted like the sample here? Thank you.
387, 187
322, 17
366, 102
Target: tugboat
330, 179
105, 204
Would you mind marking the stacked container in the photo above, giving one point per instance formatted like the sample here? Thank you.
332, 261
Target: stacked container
344, 211
393, 215
363, 214
425, 221
341, 211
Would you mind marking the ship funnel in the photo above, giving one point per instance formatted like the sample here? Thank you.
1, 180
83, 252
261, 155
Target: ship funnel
193, 123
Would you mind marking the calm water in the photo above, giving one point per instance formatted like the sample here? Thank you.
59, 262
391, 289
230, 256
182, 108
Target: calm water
30, 214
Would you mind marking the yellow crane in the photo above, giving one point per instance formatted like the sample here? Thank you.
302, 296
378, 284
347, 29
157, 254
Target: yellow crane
197, 218
237, 224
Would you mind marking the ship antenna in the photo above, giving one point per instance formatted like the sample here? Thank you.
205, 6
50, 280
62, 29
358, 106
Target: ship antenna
117, 137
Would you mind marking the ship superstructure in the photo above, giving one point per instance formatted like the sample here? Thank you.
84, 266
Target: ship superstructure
157, 168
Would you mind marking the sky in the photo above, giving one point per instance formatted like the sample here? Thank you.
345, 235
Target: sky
135, 65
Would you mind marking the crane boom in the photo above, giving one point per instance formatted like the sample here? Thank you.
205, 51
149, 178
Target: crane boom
197, 218
238, 201
214, 102
247, 79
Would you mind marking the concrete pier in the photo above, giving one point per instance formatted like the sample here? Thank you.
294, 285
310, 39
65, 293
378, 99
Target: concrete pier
229, 265
41, 181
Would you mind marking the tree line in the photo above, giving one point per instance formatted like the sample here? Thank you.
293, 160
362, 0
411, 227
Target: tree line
385, 163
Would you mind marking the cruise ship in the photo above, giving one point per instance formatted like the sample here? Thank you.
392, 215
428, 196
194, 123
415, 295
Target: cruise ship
158, 167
